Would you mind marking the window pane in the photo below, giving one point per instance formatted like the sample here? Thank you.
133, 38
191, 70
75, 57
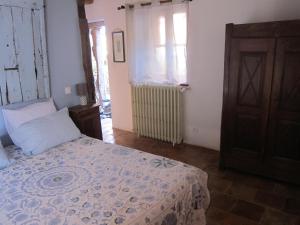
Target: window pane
160, 66
162, 30
180, 28
180, 63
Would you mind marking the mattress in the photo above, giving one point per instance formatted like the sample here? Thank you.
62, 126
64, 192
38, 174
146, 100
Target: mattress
87, 181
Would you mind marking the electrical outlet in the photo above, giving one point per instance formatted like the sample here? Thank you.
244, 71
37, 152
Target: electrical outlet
68, 90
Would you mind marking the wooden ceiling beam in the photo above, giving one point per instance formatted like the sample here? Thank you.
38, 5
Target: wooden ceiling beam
88, 1
86, 51
85, 2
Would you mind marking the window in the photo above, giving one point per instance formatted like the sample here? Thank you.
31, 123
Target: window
157, 44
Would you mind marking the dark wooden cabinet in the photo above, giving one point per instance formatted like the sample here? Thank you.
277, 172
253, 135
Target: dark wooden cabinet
261, 108
87, 119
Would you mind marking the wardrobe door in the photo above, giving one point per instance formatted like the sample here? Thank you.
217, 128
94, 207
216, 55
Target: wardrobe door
283, 156
247, 94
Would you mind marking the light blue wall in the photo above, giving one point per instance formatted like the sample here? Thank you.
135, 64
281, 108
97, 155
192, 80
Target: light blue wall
64, 50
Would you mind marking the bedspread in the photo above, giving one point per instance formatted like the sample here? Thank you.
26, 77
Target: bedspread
89, 182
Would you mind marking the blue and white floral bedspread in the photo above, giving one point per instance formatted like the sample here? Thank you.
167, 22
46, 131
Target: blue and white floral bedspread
89, 182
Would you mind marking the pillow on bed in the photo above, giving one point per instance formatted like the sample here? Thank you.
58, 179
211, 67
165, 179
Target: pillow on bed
39, 135
14, 118
4, 162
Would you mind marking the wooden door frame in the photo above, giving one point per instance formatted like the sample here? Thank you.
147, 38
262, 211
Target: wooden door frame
86, 50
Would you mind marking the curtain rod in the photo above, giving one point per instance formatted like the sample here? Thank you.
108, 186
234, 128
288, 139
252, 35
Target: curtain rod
131, 6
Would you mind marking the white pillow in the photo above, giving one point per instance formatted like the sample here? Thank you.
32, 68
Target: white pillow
4, 162
14, 118
39, 135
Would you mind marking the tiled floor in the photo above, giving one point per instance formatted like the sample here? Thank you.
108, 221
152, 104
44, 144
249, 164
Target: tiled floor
236, 199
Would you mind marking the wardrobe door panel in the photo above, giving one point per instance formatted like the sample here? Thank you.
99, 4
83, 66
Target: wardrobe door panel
249, 88
284, 132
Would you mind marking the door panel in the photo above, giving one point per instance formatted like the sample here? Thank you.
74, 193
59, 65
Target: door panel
287, 141
251, 79
249, 87
284, 131
246, 130
289, 96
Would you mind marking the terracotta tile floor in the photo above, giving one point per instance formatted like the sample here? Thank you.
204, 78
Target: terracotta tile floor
236, 198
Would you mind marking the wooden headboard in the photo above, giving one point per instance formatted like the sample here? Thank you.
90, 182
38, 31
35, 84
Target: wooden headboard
23, 66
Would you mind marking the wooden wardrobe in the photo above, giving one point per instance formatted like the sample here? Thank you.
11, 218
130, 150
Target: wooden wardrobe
261, 106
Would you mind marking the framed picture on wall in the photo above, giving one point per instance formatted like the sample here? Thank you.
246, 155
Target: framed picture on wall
118, 46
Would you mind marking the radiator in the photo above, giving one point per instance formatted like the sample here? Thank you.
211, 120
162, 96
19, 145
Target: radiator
157, 112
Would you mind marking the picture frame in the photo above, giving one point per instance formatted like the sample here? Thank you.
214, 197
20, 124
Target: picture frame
118, 46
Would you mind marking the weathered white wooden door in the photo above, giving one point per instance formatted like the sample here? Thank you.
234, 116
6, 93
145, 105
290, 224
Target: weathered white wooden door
23, 57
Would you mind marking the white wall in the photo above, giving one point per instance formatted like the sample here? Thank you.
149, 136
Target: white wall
118, 72
64, 50
203, 103
206, 58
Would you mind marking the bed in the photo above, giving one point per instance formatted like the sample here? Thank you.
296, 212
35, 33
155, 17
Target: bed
87, 181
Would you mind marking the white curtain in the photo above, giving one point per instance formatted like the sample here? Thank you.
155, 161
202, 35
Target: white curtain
157, 37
